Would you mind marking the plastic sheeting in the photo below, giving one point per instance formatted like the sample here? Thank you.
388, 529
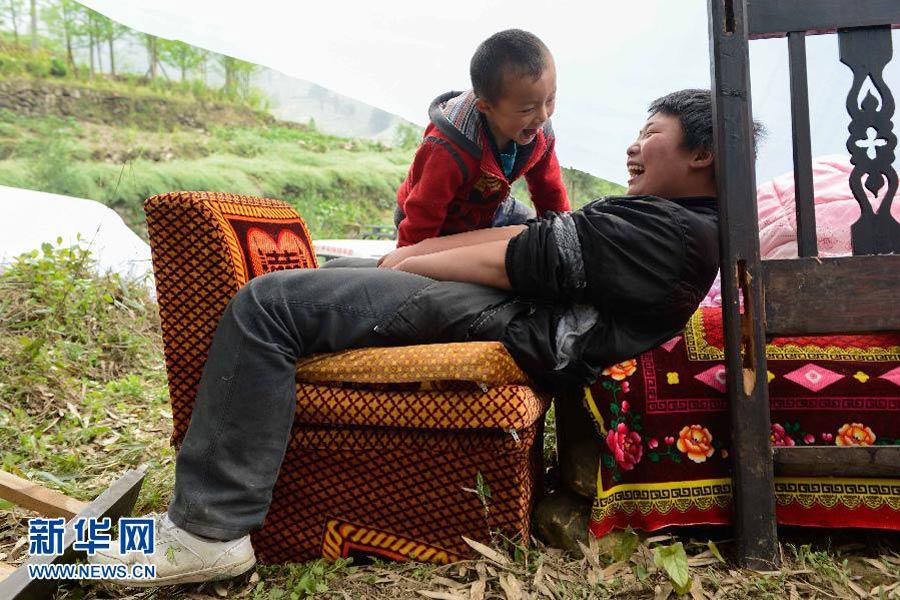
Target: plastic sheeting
29, 219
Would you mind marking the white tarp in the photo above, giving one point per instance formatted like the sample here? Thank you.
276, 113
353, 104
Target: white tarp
28, 219
612, 59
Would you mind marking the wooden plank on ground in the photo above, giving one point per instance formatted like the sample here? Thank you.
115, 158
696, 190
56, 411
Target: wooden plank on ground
33, 496
117, 501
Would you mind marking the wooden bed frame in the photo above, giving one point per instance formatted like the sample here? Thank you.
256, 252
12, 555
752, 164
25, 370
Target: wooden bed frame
807, 295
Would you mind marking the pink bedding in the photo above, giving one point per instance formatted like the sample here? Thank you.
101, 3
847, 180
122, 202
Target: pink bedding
836, 211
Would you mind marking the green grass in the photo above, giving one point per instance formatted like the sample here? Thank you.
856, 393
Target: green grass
336, 184
80, 372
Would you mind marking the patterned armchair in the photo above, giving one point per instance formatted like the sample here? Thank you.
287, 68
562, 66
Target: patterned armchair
385, 439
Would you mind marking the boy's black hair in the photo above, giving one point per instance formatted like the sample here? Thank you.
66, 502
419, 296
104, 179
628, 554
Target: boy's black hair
693, 107
511, 50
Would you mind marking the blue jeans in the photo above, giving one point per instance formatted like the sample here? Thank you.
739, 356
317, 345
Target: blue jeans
512, 212
242, 418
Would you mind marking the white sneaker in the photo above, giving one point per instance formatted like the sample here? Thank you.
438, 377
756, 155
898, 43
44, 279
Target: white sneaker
182, 557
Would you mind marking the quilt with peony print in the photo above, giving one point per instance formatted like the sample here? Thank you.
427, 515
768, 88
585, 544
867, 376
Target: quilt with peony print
665, 426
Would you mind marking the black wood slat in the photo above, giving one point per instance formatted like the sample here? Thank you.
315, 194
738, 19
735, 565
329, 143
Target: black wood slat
852, 294
117, 501
803, 180
775, 18
872, 141
754, 488
831, 461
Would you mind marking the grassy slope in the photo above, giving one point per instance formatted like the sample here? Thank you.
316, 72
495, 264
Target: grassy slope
333, 182
336, 184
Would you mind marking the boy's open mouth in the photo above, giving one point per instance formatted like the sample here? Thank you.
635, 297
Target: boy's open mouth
635, 170
529, 132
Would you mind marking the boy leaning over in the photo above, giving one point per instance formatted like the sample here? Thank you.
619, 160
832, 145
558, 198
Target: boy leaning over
479, 142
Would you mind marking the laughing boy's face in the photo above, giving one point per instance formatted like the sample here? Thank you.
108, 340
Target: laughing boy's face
658, 163
526, 105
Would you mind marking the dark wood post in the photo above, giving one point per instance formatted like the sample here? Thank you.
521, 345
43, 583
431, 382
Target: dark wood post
753, 481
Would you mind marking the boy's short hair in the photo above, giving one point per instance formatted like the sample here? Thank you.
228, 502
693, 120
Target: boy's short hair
511, 50
693, 107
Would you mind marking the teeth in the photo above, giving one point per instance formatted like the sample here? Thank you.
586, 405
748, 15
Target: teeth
635, 170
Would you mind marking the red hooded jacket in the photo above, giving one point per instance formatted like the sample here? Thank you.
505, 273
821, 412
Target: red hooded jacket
455, 184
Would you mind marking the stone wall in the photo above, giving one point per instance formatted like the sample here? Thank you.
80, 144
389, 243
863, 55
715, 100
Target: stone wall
44, 98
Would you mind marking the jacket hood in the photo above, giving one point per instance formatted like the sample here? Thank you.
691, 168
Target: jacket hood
455, 115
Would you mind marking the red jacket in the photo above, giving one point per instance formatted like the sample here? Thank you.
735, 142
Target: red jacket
455, 184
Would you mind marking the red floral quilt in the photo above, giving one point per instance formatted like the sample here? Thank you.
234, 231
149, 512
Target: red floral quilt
664, 420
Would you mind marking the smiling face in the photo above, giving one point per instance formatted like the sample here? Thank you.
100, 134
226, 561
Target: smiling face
526, 104
660, 165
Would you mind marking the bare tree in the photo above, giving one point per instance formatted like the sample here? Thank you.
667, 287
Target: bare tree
34, 36
152, 54
62, 20
13, 9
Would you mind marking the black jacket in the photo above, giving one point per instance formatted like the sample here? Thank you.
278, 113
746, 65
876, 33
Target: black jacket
602, 284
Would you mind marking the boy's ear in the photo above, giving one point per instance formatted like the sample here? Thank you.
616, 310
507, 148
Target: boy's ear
482, 105
702, 158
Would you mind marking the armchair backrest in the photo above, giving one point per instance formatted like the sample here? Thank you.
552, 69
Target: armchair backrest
205, 246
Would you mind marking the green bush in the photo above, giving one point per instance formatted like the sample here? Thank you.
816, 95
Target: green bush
38, 68
53, 170
18, 60
58, 320
57, 67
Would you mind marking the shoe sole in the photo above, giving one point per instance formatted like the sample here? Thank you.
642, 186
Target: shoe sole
232, 571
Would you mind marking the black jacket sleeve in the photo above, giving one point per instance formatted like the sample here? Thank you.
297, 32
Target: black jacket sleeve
620, 254
545, 261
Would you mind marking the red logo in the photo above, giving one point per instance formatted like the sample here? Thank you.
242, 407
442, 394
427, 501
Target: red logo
267, 255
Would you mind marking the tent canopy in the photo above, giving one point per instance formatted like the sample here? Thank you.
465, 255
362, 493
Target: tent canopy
613, 58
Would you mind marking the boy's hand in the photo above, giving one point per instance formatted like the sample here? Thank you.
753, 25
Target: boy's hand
394, 257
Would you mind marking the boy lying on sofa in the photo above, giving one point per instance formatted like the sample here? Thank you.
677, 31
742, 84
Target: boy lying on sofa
566, 294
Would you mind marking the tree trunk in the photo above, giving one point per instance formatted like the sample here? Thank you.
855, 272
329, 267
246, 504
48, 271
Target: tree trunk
98, 45
69, 56
12, 11
34, 37
67, 29
229, 76
112, 57
91, 52
151, 48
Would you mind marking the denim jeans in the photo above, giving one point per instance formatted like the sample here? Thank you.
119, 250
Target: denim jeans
512, 212
242, 418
